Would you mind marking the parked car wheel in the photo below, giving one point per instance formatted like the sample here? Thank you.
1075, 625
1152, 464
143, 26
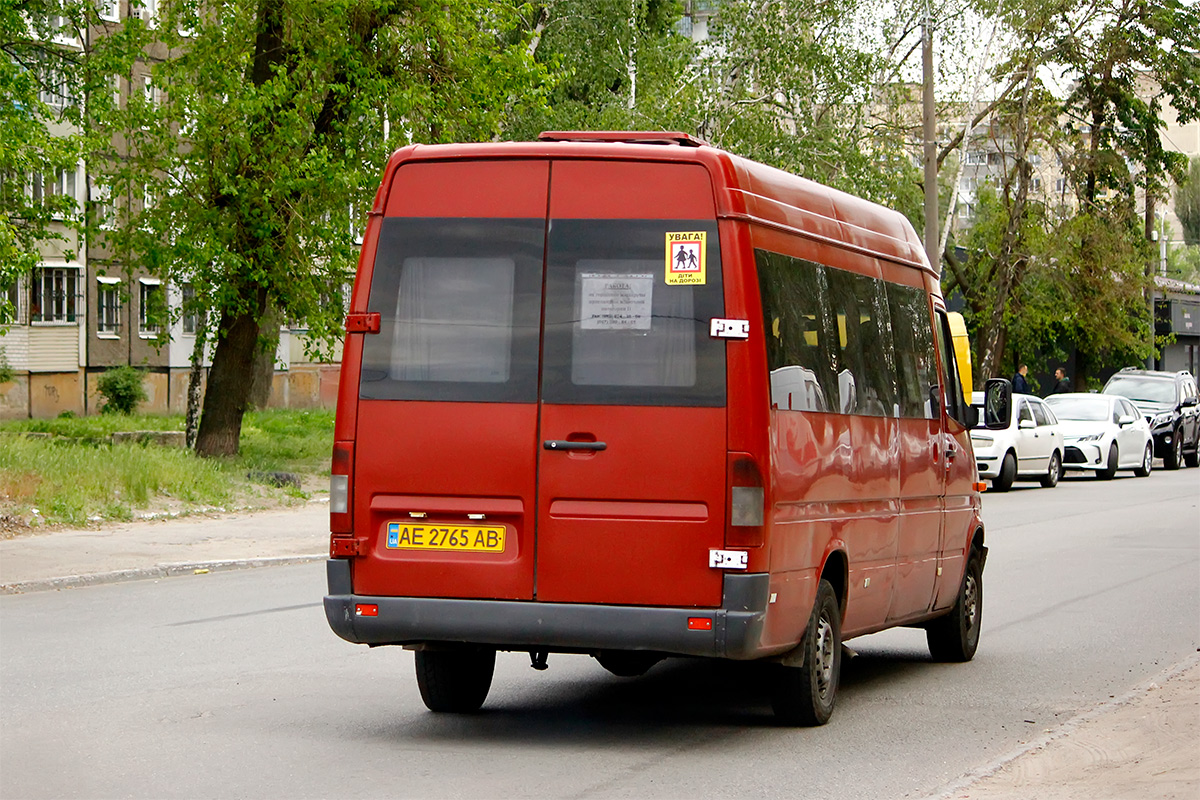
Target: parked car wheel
1173, 458
1110, 468
805, 695
1192, 459
1008, 473
455, 680
955, 636
1050, 479
1147, 462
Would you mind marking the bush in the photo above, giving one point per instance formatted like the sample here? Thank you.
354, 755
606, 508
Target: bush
122, 389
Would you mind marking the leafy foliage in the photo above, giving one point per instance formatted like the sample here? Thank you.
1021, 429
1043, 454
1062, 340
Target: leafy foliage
37, 140
122, 388
1187, 203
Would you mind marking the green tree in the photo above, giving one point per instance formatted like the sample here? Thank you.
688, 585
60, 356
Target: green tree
1187, 203
614, 65
259, 141
37, 140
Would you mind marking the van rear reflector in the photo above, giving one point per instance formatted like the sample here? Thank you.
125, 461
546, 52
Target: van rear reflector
366, 610
699, 623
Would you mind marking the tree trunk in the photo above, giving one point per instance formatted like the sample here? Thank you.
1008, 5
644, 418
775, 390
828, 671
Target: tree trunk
194, 374
262, 381
228, 391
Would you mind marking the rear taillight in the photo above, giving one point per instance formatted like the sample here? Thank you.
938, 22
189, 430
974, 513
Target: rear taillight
340, 518
747, 502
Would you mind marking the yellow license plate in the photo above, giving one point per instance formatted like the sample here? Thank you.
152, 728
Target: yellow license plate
463, 538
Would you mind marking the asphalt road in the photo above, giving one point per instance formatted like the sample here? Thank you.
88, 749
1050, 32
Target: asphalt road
231, 685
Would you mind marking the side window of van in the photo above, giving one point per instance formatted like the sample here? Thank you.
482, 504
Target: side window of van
800, 354
616, 331
459, 302
916, 361
865, 363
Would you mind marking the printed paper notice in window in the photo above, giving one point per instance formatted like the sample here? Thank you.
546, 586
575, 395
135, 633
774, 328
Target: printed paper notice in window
685, 258
615, 301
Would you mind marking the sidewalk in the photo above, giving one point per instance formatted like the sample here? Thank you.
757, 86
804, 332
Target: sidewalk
1143, 745
148, 549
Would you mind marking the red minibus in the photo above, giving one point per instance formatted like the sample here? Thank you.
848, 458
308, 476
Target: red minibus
627, 395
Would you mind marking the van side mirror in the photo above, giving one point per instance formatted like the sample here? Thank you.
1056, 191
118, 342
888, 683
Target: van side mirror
1188, 402
997, 403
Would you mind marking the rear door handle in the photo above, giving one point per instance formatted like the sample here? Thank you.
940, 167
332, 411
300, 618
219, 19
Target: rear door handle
563, 444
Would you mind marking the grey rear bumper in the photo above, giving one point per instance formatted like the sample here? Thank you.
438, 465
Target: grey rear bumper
520, 625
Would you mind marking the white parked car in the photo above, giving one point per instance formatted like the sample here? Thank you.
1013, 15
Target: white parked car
1030, 448
1103, 432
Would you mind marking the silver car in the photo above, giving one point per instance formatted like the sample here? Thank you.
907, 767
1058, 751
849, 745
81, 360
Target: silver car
1103, 433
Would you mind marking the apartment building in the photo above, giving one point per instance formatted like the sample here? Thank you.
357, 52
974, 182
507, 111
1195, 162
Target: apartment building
88, 307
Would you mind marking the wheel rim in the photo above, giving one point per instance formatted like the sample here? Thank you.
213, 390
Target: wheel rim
1178, 449
1148, 459
971, 601
1055, 467
824, 655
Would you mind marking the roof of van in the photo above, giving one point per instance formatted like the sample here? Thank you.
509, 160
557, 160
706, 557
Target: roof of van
744, 189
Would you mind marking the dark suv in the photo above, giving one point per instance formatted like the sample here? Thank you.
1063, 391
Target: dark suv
1172, 407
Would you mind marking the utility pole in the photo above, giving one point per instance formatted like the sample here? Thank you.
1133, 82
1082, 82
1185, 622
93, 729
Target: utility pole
930, 135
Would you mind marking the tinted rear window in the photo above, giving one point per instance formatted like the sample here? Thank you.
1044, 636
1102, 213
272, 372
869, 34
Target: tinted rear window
616, 331
459, 303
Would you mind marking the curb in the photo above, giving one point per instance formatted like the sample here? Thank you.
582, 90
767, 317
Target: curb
964, 782
157, 571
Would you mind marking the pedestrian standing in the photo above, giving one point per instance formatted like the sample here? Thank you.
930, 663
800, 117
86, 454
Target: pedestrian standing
1020, 384
1061, 384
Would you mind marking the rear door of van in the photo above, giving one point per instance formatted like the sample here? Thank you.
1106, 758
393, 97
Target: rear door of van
541, 415
445, 456
632, 435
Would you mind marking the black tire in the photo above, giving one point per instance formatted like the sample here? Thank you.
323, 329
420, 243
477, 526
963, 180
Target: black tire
1110, 469
1008, 473
1050, 479
955, 636
805, 695
1173, 458
627, 663
1147, 462
1192, 459
456, 681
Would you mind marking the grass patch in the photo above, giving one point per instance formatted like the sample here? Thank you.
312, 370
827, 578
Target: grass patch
76, 475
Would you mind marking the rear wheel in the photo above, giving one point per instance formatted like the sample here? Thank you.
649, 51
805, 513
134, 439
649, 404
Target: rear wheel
455, 680
1008, 473
1050, 479
955, 637
1147, 462
1174, 457
1111, 468
805, 695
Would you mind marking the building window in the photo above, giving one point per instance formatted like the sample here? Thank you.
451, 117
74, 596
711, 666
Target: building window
8, 309
148, 11
108, 306
152, 306
977, 157
110, 10
53, 295
103, 211
189, 309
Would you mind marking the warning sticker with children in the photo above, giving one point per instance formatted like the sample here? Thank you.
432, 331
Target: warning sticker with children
685, 258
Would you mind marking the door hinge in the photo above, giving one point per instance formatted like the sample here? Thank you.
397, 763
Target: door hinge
342, 547
362, 322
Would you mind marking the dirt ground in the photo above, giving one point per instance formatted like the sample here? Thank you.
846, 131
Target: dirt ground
1143, 746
